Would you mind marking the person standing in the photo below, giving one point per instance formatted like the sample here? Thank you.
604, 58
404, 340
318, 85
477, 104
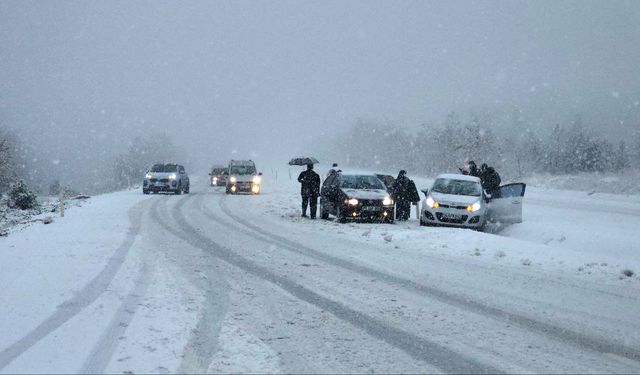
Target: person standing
404, 193
309, 189
489, 178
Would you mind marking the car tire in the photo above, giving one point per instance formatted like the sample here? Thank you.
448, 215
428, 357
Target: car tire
145, 191
179, 190
186, 191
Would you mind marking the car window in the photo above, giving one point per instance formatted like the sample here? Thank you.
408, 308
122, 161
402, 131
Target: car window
169, 168
242, 169
457, 187
361, 182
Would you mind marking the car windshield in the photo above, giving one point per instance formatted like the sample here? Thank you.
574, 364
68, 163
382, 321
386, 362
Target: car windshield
457, 187
243, 169
164, 168
218, 170
361, 182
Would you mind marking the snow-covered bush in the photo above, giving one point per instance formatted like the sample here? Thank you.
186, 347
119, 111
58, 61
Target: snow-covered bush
21, 197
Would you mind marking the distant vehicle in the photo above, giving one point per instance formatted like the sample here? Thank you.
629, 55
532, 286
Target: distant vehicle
459, 201
243, 177
355, 197
218, 175
170, 178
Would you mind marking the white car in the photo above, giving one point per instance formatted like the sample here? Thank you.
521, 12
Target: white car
243, 177
458, 200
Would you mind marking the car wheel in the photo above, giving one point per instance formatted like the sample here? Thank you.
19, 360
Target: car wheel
186, 191
145, 191
179, 190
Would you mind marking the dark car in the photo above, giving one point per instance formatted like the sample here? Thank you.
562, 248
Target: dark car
170, 178
218, 175
355, 197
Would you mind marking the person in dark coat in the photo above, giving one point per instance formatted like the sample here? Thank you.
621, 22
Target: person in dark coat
489, 178
309, 189
404, 192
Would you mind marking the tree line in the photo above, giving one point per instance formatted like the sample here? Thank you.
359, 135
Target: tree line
515, 152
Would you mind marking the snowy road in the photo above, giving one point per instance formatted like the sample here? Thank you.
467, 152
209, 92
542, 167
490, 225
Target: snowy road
212, 283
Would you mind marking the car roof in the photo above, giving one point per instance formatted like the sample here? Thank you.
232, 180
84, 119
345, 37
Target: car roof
461, 177
241, 163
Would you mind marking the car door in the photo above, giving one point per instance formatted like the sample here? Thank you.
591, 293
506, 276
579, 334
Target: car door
505, 205
328, 193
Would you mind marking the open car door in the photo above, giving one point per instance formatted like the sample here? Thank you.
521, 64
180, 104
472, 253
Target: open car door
505, 206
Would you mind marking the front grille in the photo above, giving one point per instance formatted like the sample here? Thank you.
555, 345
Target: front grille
153, 180
369, 202
441, 218
456, 207
165, 180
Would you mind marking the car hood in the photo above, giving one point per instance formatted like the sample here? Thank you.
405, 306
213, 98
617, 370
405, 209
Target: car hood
365, 194
452, 199
242, 177
162, 174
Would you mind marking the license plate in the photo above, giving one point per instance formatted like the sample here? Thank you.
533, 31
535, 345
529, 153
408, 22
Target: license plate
452, 216
370, 208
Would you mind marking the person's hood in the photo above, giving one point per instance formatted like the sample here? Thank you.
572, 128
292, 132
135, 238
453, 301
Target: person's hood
365, 194
454, 200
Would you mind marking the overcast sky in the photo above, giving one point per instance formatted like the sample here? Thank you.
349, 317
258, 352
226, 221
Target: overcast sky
260, 75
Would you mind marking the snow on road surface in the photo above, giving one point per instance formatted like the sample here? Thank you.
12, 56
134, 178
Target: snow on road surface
207, 282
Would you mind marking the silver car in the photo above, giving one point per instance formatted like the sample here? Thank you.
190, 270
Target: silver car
170, 178
459, 201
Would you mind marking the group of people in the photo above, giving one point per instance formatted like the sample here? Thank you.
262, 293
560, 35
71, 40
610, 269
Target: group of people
489, 178
403, 191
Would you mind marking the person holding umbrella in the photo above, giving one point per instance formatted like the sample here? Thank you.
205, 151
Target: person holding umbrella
310, 190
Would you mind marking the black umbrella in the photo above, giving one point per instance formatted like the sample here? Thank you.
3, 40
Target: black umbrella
303, 161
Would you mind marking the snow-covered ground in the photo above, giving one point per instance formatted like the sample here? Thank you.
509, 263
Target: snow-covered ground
212, 283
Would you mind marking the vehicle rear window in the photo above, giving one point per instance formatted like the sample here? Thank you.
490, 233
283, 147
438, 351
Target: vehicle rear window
457, 187
361, 182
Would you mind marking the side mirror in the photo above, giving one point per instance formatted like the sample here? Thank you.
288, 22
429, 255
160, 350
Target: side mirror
259, 173
425, 191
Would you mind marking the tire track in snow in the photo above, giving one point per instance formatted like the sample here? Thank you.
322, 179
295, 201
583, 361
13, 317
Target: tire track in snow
103, 351
83, 298
203, 343
563, 334
417, 347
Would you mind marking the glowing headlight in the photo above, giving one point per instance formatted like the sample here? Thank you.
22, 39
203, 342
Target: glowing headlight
255, 189
147, 176
215, 179
233, 179
432, 203
387, 201
172, 176
352, 202
257, 179
474, 207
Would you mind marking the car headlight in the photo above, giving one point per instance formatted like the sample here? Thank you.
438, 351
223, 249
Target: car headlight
257, 179
172, 176
432, 203
233, 179
352, 202
387, 201
474, 207
147, 176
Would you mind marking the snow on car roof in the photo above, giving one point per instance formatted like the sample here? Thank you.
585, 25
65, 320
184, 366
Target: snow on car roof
463, 177
241, 162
